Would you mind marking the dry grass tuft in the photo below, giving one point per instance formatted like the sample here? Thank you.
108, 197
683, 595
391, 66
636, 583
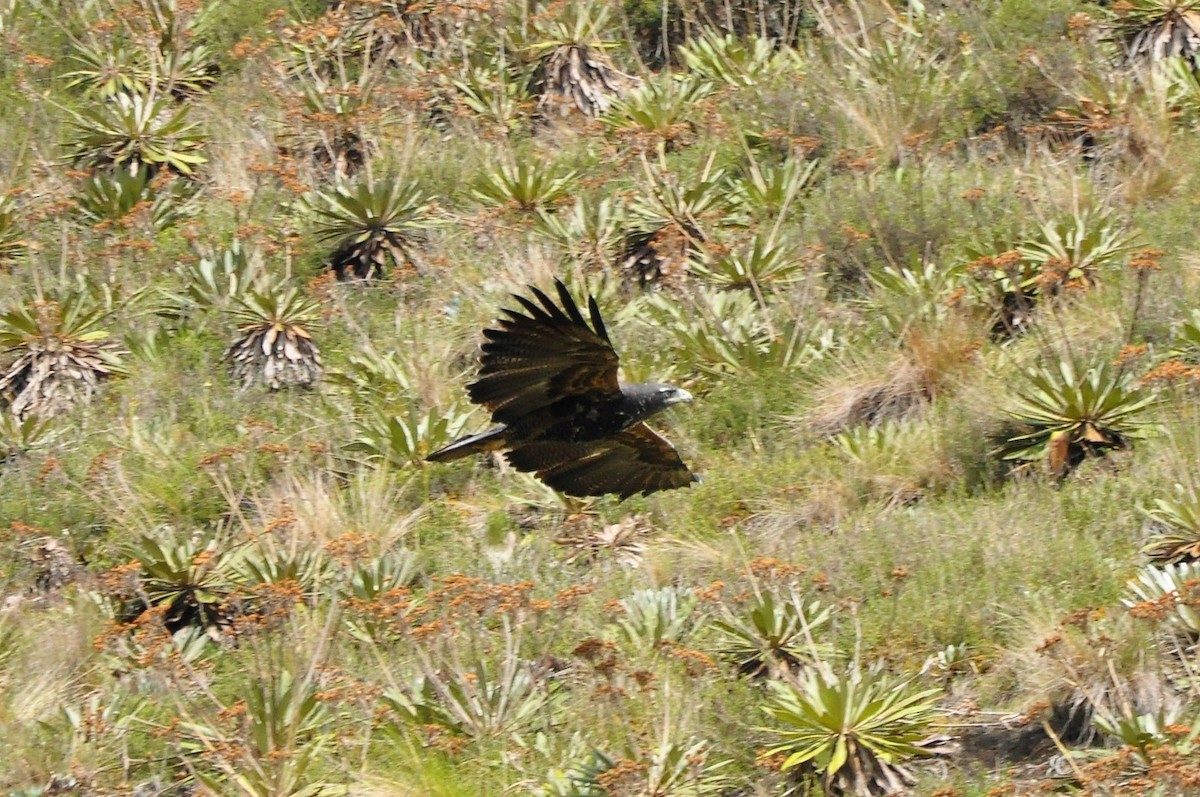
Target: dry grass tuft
1083, 666
313, 509
933, 360
870, 401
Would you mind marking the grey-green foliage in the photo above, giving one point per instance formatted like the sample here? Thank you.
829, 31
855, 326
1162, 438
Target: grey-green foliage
115, 67
659, 106
274, 346
480, 699
58, 351
1079, 247
589, 231
765, 189
1173, 588
526, 185
132, 131
1186, 345
856, 729
405, 438
271, 563
12, 243
372, 377
767, 260
735, 61
285, 730
187, 576
497, 92
771, 631
373, 226
1095, 408
723, 333
112, 198
908, 295
214, 280
651, 617
19, 436
1176, 524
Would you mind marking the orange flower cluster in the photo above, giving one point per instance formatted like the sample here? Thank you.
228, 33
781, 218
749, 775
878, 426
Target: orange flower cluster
1056, 274
1171, 372
272, 602
695, 662
1080, 23
217, 456
457, 598
854, 235
601, 655
1146, 260
624, 777
570, 596
439, 738
283, 521
388, 606
1049, 643
1157, 609
711, 593
1129, 353
233, 712
22, 529
350, 690
770, 567
99, 463
349, 547
946, 791
985, 266
1082, 617
1164, 769
854, 161
460, 592
322, 289
1033, 712
120, 581
142, 641
592, 649
973, 195
48, 467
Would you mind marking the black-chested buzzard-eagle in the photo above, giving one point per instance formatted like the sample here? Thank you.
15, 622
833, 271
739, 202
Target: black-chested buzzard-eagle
550, 382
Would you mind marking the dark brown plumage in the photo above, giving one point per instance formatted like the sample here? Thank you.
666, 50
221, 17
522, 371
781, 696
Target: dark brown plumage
549, 380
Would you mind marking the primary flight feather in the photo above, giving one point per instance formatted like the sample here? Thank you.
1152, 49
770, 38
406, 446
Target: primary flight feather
549, 379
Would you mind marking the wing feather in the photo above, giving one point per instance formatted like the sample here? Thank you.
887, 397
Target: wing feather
532, 359
637, 460
597, 319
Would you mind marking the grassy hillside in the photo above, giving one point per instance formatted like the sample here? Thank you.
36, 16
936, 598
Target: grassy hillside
928, 267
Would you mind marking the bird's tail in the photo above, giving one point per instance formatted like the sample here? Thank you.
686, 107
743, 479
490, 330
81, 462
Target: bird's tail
490, 440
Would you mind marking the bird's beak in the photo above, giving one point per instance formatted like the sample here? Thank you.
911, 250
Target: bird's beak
681, 396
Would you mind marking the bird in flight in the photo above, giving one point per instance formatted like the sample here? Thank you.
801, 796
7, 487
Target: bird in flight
550, 382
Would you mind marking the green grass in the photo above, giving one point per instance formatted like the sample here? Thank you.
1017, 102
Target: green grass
864, 475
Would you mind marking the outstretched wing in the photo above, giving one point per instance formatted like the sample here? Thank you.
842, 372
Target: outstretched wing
637, 460
533, 359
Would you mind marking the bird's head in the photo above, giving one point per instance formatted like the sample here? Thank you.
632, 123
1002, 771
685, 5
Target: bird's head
669, 394
650, 397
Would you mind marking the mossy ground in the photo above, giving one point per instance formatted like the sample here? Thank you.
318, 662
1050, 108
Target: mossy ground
935, 131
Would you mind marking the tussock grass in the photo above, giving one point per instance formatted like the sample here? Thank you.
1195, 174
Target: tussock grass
460, 629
